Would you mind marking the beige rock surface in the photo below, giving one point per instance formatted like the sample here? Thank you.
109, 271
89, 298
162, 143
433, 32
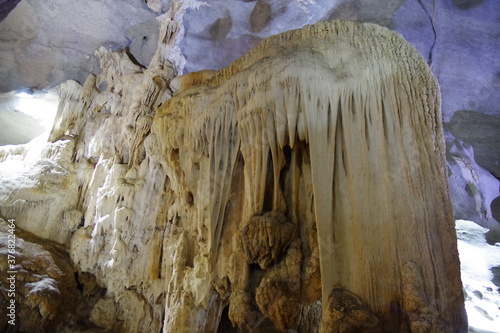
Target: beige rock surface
338, 125
309, 174
39, 277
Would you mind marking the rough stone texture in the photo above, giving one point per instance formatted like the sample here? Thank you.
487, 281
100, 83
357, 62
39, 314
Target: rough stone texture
264, 239
481, 136
46, 294
348, 313
35, 176
301, 157
59, 186
482, 131
472, 189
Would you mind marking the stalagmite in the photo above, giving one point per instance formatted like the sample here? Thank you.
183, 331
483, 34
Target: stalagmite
303, 187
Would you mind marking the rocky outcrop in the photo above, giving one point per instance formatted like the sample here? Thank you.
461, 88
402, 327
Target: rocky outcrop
472, 150
348, 313
302, 188
39, 277
482, 132
39, 181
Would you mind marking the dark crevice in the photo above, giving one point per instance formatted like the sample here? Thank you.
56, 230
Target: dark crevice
285, 176
268, 195
132, 58
225, 325
431, 19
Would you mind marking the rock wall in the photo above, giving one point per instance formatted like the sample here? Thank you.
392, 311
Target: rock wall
42, 280
44, 44
303, 187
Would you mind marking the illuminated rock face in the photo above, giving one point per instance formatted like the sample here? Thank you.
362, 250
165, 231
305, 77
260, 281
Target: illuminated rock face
337, 127
303, 187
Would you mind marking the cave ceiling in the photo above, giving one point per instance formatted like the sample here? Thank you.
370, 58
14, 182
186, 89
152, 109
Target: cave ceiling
43, 44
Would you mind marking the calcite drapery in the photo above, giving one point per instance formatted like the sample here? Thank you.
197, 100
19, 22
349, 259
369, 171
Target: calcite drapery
329, 135
337, 124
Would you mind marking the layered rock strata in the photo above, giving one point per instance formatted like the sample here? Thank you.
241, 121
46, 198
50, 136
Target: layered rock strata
301, 188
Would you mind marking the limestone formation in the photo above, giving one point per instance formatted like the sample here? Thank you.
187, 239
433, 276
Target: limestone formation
41, 281
265, 238
347, 313
301, 188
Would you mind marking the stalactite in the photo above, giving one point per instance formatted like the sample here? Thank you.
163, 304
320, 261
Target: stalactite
303, 187
367, 107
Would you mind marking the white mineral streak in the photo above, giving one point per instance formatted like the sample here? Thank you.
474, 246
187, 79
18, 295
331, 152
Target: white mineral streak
317, 156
